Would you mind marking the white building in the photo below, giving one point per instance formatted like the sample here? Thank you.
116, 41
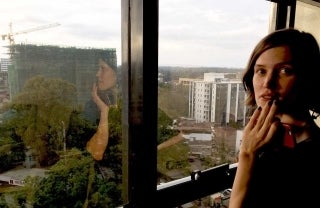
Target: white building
218, 98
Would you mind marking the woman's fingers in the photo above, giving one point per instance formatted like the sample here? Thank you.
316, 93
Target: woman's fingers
98, 101
265, 112
253, 120
261, 127
272, 130
268, 118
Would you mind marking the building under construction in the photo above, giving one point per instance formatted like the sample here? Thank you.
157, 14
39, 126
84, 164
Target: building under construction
75, 65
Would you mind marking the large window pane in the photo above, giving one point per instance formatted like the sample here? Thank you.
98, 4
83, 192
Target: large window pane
203, 49
60, 137
307, 17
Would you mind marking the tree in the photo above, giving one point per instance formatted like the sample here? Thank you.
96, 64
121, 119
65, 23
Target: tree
164, 123
65, 184
76, 182
11, 149
79, 131
40, 110
3, 203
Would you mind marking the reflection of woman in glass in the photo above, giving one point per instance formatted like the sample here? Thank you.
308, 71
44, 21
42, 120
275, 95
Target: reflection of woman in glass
103, 94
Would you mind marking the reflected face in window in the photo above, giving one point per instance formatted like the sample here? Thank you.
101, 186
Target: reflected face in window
106, 76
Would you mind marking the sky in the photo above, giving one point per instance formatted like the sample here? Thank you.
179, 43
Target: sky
195, 33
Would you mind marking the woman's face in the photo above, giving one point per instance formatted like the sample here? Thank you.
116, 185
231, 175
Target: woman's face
274, 76
106, 76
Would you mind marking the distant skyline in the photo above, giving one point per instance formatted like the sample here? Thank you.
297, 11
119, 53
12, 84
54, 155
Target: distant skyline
206, 33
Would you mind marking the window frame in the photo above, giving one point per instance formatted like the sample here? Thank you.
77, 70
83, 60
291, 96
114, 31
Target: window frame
140, 31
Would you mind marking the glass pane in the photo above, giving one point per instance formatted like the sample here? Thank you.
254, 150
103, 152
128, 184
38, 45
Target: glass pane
203, 49
308, 17
60, 138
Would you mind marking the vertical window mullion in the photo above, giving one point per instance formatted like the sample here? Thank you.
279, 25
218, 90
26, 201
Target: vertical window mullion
140, 68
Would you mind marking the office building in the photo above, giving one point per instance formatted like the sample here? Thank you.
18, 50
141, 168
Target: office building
218, 98
75, 65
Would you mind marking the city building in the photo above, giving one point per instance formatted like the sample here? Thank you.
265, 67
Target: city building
187, 81
4, 64
4, 85
75, 65
218, 98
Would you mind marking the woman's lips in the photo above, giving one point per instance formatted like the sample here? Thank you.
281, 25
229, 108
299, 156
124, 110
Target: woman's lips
270, 96
267, 97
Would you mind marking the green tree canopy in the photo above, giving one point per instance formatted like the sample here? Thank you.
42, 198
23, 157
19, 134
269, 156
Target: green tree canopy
41, 113
76, 182
164, 123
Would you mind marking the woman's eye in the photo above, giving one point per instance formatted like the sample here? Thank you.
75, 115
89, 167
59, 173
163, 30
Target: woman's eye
260, 71
286, 71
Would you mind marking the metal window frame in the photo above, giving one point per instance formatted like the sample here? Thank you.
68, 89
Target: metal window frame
285, 13
139, 31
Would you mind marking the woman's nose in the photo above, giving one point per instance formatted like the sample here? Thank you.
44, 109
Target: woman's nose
98, 73
270, 81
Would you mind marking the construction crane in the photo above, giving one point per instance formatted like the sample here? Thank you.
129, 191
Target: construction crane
11, 34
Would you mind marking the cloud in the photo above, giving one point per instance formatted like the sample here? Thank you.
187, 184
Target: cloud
94, 23
191, 32
210, 32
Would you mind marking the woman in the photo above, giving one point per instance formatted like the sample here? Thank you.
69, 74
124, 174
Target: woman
278, 158
105, 163
103, 94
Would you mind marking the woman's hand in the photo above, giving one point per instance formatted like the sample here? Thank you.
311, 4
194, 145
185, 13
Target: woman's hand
99, 141
100, 104
258, 132
260, 129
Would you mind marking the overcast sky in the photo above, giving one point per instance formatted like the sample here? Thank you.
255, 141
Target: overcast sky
191, 33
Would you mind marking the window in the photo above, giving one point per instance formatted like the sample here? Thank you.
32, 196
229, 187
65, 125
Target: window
307, 15
174, 101
51, 55
208, 43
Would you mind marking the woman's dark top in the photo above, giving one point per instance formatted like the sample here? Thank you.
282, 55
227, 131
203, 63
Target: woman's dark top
287, 177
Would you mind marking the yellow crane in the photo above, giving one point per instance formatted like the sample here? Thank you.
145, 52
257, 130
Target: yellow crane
11, 34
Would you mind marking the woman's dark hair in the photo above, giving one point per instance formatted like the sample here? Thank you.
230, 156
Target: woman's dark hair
109, 96
305, 59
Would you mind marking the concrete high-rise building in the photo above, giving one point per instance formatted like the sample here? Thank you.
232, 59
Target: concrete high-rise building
4, 64
75, 65
4, 85
218, 98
